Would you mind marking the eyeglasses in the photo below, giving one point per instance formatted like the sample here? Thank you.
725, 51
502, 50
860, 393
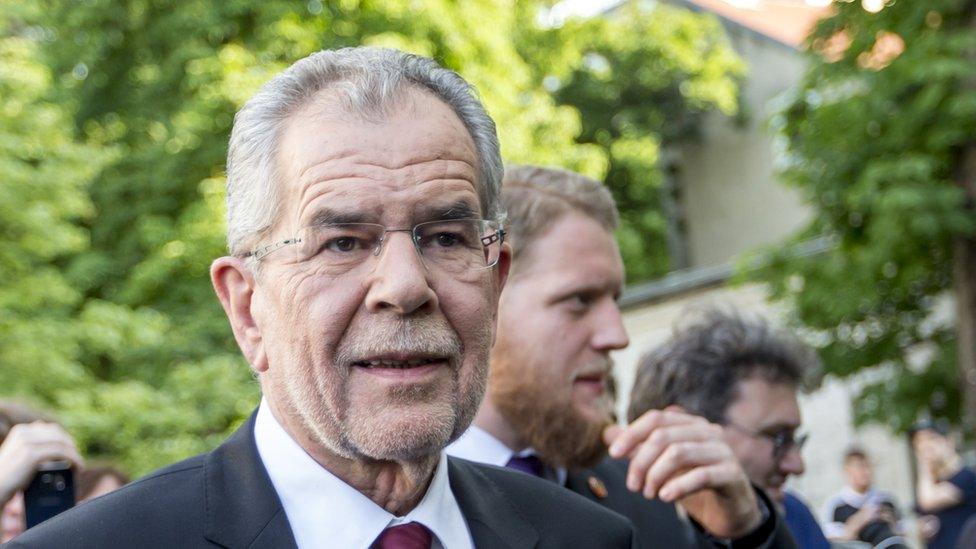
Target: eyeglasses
783, 441
451, 245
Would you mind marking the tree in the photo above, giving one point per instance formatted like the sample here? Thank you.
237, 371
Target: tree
154, 84
878, 135
43, 199
641, 77
157, 375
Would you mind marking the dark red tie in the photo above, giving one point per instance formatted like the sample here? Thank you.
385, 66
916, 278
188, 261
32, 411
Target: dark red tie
411, 535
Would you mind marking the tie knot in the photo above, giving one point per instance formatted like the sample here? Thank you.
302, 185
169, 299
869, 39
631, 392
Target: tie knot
530, 464
411, 535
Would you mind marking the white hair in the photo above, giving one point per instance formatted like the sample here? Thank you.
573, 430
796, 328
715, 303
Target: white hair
369, 80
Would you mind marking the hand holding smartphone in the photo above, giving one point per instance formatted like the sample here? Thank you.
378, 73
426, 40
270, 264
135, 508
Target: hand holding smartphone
36, 459
52, 491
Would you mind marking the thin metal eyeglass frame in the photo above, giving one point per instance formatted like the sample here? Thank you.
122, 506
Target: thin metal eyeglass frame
782, 442
498, 236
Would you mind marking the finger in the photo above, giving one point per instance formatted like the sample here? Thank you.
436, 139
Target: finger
611, 432
37, 432
649, 452
676, 408
54, 451
699, 478
681, 457
641, 428
31, 437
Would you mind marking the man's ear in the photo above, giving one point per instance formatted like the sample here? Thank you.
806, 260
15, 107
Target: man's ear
235, 287
504, 265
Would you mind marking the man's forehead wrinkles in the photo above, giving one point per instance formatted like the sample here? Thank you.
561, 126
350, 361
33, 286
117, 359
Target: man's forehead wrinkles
343, 173
371, 168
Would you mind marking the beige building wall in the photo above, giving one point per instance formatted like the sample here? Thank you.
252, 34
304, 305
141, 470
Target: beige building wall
730, 198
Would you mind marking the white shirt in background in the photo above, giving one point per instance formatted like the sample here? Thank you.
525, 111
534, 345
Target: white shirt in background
480, 446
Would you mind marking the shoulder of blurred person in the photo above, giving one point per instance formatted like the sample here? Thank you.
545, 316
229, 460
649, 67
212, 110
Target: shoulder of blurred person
226, 498
967, 536
953, 519
802, 523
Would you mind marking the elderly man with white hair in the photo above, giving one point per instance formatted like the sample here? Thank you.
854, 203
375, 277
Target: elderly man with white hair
366, 261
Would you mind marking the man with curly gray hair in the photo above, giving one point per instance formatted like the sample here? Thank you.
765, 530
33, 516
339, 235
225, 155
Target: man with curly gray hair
740, 373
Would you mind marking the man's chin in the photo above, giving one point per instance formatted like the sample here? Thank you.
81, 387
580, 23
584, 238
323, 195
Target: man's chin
775, 493
404, 432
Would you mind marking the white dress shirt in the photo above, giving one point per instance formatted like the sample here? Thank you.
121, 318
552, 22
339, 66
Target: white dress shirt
324, 511
480, 446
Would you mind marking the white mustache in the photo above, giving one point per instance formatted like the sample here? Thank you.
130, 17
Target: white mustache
425, 336
603, 368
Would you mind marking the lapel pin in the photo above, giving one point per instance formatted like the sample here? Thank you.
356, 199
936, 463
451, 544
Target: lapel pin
597, 487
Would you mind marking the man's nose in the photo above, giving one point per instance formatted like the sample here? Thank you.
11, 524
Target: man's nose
399, 281
609, 333
792, 461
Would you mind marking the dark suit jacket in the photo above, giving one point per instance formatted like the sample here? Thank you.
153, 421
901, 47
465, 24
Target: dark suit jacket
657, 523
226, 499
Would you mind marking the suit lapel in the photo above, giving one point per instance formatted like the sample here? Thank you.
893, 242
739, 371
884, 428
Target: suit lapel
492, 518
577, 481
242, 506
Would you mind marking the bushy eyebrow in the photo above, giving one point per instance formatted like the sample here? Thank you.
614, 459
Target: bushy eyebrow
460, 209
779, 427
328, 216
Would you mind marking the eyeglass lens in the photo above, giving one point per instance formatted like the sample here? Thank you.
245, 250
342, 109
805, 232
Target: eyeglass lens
453, 246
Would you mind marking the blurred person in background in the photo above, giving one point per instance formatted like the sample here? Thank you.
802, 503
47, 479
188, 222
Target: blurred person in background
549, 387
945, 490
27, 440
859, 512
97, 480
744, 376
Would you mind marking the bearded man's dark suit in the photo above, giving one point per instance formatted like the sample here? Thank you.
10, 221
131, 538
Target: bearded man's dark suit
658, 524
226, 499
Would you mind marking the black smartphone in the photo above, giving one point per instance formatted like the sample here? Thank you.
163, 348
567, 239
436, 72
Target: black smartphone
52, 491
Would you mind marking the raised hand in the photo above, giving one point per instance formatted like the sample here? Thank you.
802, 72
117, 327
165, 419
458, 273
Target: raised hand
680, 457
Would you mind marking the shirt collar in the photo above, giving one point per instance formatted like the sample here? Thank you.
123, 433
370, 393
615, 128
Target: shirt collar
857, 499
325, 511
480, 446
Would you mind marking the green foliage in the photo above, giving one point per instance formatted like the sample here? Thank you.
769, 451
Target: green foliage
43, 196
641, 79
113, 140
874, 139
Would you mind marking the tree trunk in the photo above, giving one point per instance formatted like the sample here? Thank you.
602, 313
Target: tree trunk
964, 276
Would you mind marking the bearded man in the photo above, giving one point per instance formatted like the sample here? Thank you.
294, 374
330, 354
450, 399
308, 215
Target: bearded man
548, 408
366, 260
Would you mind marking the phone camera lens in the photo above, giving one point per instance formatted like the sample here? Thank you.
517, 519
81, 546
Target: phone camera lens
59, 485
46, 478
